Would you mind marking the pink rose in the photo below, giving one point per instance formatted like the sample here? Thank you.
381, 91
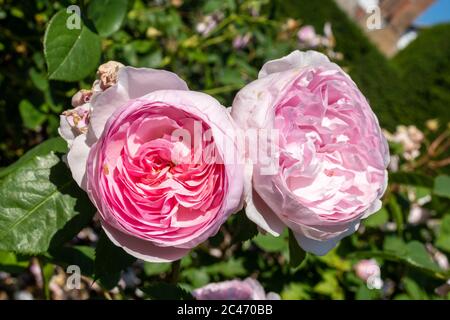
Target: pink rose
139, 161
330, 154
308, 36
365, 269
248, 289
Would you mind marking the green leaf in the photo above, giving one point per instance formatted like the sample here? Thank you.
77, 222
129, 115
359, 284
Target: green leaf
110, 260
82, 256
107, 15
442, 186
229, 269
152, 60
402, 296
413, 253
231, 76
271, 243
395, 244
443, 238
296, 291
71, 54
32, 118
13, 263
417, 255
334, 261
329, 286
38, 202
364, 293
243, 229
39, 80
166, 291
377, 219
55, 144
154, 269
296, 254
197, 277
411, 179
413, 289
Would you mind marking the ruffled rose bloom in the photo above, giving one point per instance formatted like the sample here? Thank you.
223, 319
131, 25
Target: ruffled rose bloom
159, 162
248, 289
330, 154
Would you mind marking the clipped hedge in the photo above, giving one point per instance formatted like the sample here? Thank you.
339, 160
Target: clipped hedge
425, 69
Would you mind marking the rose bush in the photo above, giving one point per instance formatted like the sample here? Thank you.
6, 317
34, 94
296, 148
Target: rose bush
132, 150
330, 152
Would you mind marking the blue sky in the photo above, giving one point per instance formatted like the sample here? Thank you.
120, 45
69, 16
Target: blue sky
439, 12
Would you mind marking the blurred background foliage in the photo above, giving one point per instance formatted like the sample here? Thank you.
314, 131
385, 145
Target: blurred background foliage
218, 46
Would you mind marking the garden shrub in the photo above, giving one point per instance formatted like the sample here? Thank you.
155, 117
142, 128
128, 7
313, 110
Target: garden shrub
425, 70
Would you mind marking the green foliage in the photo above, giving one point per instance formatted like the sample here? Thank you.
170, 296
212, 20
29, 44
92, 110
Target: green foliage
425, 70
32, 118
411, 179
153, 269
243, 228
296, 291
54, 144
82, 256
39, 201
377, 219
443, 238
166, 291
107, 15
271, 243
42, 209
110, 260
296, 254
329, 286
413, 289
442, 186
11, 262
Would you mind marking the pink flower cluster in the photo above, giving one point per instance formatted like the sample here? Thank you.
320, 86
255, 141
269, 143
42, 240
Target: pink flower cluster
166, 166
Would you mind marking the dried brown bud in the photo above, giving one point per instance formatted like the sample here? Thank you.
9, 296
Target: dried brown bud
81, 97
108, 73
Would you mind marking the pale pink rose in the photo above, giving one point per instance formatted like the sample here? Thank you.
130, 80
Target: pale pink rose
241, 41
330, 151
418, 214
365, 269
410, 138
155, 198
248, 289
308, 36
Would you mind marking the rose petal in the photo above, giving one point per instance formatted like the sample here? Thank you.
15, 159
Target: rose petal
295, 59
258, 211
77, 158
322, 247
132, 83
142, 249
